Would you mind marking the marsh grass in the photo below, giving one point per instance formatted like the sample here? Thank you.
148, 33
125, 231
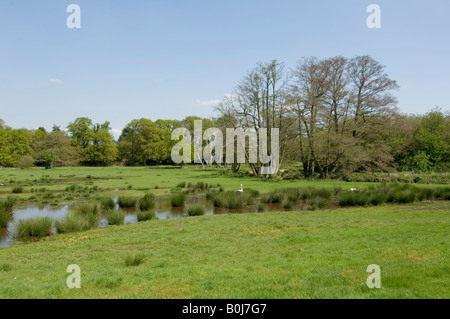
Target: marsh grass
41, 226
144, 215
126, 202
74, 222
232, 200
107, 203
115, 217
178, 200
147, 202
196, 210
6, 207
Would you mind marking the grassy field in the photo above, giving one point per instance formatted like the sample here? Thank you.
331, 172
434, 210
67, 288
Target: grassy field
308, 254
321, 254
135, 181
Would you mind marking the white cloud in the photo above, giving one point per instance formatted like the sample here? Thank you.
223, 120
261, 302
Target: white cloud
115, 133
56, 81
206, 103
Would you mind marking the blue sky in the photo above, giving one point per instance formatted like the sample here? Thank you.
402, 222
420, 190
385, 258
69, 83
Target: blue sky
170, 59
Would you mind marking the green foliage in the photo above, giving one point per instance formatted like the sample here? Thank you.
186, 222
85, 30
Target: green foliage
232, 200
41, 226
107, 203
97, 144
178, 200
145, 215
14, 145
115, 217
147, 202
196, 210
26, 161
17, 190
134, 259
126, 202
74, 222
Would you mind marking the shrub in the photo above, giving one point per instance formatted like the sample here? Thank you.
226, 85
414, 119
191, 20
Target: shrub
147, 202
126, 202
196, 210
178, 200
41, 226
287, 204
6, 207
115, 217
144, 215
26, 161
181, 185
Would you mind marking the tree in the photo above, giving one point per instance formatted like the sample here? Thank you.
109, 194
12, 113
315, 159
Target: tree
143, 142
97, 144
14, 144
55, 149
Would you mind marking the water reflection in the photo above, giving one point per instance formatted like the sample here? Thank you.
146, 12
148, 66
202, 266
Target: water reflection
163, 210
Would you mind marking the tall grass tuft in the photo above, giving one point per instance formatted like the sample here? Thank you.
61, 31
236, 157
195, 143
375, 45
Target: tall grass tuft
6, 207
74, 222
107, 203
232, 200
41, 226
196, 210
126, 202
147, 202
145, 215
115, 217
178, 200
134, 259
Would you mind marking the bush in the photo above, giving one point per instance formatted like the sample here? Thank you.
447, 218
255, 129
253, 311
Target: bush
147, 202
178, 200
115, 217
181, 185
25, 162
196, 210
144, 215
41, 226
126, 202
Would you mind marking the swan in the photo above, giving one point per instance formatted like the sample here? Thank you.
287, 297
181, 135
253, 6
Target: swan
240, 190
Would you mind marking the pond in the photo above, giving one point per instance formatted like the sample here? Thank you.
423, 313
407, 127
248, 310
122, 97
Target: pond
163, 210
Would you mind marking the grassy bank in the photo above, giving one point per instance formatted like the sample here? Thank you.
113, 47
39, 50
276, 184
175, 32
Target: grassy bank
320, 254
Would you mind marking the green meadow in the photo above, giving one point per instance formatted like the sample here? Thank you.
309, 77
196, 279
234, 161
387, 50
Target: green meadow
299, 254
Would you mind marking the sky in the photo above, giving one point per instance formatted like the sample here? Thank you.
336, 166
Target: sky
170, 59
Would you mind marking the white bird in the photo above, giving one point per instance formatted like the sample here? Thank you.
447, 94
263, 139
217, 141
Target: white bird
353, 189
240, 190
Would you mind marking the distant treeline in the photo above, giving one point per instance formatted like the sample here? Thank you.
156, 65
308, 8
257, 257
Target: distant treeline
336, 116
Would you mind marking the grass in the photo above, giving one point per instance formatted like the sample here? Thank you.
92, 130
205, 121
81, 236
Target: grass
178, 200
144, 215
321, 254
107, 203
74, 222
134, 259
6, 207
115, 217
196, 210
41, 226
126, 202
147, 202
232, 200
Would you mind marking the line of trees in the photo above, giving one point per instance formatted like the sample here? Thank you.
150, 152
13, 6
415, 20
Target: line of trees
335, 116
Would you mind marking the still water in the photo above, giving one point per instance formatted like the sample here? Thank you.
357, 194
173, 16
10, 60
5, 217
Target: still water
163, 210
